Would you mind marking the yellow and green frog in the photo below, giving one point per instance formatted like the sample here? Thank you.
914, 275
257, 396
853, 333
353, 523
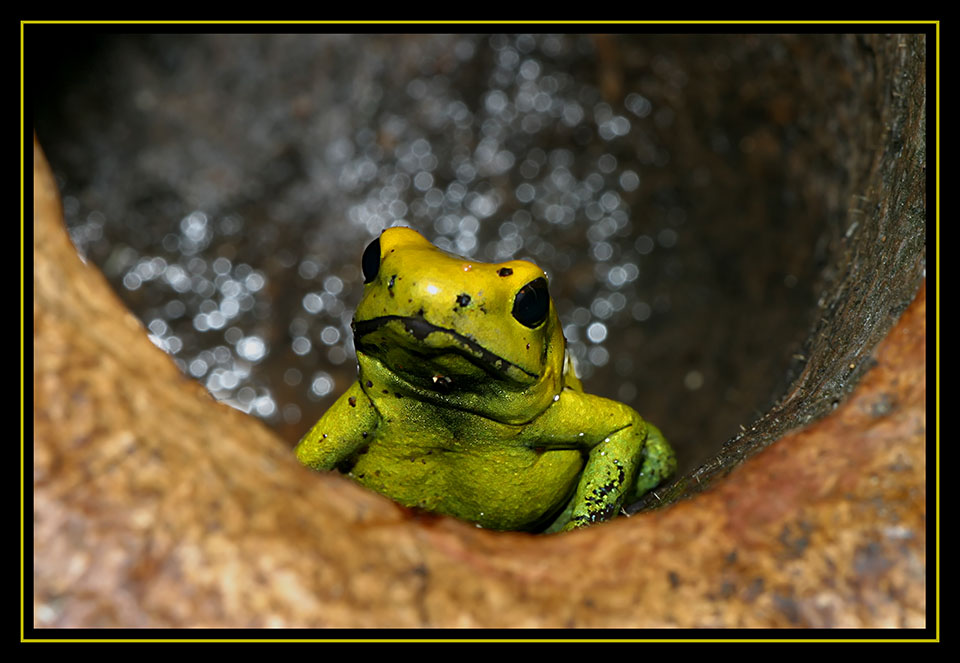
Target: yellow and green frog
467, 403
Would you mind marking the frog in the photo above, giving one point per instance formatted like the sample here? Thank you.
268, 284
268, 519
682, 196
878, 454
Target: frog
467, 402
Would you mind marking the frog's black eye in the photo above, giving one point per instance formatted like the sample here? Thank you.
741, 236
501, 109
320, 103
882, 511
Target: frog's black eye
370, 262
532, 303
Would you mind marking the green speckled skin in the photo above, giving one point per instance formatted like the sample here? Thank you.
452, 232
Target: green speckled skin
461, 409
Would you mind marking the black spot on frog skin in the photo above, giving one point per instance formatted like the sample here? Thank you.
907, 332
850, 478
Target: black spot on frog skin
442, 381
605, 513
353, 401
463, 299
504, 271
369, 384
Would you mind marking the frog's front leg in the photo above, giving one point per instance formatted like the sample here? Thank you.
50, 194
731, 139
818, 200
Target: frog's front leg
608, 475
343, 430
616, 438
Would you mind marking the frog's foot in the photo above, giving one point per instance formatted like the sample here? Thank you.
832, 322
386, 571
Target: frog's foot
659, 462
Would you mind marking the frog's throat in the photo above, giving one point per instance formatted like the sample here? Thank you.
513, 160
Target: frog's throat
420, 329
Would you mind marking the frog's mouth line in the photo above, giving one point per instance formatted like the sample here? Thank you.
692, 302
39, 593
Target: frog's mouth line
420, 329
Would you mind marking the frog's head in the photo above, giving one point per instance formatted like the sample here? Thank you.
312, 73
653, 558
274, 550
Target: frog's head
477, 336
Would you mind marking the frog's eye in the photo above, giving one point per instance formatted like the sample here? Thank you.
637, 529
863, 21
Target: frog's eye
532, 303
370, 262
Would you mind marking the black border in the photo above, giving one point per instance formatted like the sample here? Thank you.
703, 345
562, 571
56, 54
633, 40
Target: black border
42, 48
